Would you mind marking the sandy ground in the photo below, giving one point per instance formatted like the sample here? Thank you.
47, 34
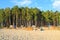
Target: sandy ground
19, 34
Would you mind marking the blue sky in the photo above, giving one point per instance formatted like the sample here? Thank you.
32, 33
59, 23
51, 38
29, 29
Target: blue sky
41, 4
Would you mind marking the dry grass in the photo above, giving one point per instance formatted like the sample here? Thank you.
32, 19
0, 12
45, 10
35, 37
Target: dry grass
45, 28
31, 28
28, 28
51, 28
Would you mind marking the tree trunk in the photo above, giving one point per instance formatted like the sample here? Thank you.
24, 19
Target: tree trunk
16, 20
35, 23
1, 24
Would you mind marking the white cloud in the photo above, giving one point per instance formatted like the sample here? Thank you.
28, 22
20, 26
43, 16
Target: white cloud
22, 2
56, 4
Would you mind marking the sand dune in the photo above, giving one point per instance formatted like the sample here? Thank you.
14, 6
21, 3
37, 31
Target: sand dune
18, 34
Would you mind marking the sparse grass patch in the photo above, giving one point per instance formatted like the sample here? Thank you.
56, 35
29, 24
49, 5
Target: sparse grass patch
57, 28
28, 28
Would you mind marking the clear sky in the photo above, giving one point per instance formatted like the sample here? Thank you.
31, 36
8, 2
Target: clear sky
41, 4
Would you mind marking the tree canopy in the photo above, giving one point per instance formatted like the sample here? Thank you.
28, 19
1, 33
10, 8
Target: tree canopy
26, 16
